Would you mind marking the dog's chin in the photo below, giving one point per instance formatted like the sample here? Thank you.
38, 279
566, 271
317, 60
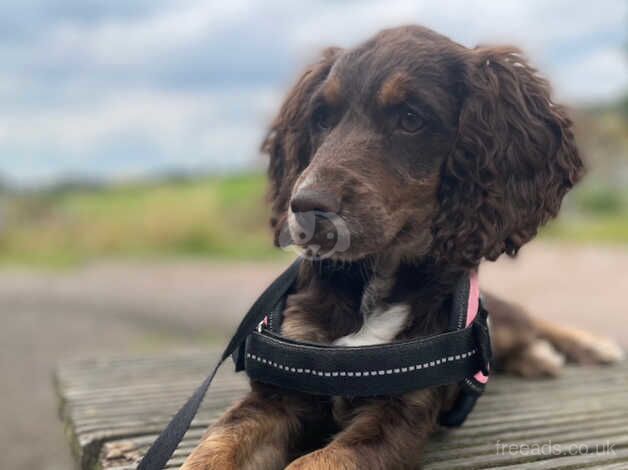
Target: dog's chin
356, 243
350, 256
402, 245
319, 246
356, 252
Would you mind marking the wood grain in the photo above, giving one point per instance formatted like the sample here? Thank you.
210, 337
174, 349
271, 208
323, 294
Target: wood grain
114, 408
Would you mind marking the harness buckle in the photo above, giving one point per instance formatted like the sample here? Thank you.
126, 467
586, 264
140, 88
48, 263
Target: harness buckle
263, 324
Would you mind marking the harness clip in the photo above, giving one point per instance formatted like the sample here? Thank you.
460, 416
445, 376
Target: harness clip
263, 324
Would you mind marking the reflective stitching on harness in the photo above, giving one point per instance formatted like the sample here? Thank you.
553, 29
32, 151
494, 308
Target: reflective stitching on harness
365, 373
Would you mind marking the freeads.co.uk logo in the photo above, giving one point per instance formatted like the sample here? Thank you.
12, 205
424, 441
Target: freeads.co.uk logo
315, 235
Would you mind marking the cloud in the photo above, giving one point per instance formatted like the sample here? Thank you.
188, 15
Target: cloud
154, 129
597, 76
130, 41
116, 88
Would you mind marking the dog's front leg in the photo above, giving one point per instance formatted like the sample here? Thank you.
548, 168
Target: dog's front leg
258, 433
380, 434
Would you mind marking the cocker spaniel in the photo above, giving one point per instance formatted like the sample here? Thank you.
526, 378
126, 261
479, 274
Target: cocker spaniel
435, 157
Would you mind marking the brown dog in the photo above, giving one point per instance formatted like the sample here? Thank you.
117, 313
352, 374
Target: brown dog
434, 156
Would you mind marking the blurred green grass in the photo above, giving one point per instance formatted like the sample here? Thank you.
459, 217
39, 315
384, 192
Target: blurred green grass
214, 217
594, 213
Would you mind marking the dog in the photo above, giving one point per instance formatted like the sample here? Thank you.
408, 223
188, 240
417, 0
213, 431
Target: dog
435, 157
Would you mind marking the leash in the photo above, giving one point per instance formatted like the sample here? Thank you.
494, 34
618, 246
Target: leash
461, 355
164, 446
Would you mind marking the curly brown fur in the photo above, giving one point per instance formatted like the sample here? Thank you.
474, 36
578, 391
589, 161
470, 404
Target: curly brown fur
436, 157
514, 160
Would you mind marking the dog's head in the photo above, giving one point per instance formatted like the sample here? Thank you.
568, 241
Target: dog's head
422, 146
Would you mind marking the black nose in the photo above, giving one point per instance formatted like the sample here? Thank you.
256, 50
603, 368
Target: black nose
306, 200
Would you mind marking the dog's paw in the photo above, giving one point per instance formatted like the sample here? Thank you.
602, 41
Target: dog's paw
213, 453
327, 458
585, 348
539, 359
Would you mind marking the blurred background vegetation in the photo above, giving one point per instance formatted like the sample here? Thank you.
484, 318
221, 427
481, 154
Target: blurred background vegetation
225, 216
212, 216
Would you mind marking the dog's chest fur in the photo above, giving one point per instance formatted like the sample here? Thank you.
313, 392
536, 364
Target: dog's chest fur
381, 321
381, 326
358, 307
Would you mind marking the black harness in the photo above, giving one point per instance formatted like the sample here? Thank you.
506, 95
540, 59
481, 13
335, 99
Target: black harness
460, 355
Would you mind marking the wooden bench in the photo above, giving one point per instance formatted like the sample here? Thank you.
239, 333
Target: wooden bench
114, 408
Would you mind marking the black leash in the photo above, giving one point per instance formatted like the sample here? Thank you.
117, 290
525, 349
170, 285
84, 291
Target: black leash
167, 442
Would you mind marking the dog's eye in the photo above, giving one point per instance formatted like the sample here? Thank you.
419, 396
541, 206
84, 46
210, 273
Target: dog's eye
322, 118
410, 122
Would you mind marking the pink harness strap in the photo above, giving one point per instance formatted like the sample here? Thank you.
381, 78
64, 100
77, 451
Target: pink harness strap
472, 310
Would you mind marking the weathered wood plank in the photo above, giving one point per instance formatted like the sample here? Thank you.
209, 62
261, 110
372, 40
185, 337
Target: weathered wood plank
114, 408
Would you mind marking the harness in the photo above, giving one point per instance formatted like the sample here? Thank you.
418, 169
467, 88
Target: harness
461, 355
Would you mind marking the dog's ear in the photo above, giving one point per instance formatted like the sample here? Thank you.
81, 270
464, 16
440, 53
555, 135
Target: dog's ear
288, 140
513, 161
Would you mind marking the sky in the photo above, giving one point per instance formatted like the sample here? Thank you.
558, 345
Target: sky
125, 89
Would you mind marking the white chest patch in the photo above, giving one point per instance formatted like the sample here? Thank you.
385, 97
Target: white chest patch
379, 327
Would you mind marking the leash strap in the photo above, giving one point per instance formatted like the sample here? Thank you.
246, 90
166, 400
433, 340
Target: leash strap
164, 446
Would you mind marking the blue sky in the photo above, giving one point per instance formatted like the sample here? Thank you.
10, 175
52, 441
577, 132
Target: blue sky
122, 89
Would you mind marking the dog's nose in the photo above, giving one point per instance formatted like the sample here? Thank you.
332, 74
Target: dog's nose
306, 200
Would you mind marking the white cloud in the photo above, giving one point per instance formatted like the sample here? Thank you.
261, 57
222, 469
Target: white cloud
190, 130
536, 23
599, 76
132, 40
